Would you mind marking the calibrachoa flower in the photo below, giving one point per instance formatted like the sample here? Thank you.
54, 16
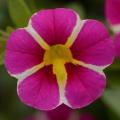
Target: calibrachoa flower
87, 116
38, 116
65, 113
117, 45
59, 58
61, 113
112, 8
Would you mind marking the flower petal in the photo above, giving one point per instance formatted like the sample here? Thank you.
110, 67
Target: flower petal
54, 26
93, 45
117, 45
60, 113
40, 90
22, 52
112, 11
87, 116
83, 86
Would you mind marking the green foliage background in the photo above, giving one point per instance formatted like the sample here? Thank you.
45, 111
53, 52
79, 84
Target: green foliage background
16, 13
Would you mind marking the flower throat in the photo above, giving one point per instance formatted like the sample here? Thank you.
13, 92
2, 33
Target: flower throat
57, 56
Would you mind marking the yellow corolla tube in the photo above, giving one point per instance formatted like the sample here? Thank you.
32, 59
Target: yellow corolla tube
58, 56
60, 71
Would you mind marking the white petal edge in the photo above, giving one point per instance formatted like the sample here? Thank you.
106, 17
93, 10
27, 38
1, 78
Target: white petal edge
98, 69
77, 28
28, 72
63, 99
36, 36
116, 28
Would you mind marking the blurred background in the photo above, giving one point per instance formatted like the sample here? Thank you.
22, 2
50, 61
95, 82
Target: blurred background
16, 13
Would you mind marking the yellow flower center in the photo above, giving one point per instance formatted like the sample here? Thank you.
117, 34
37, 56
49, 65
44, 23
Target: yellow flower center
57, 56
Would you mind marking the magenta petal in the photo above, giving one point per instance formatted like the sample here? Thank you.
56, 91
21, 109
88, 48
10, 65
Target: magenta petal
86, 116
113, 11
40, 90
37, 116
117, 45
60, 113
83, 86
22, 52
54, 26
94, 44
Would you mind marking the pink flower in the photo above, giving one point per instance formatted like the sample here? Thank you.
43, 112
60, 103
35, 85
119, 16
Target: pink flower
38, 116
58, 59
117, 45
112, 9
65, 113
87, 116
61, 113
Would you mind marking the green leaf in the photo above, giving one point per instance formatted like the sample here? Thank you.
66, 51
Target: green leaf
32, 5
2, 49
112, 99
3, 39
2, 58
9, 30
2, 44
19, 12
